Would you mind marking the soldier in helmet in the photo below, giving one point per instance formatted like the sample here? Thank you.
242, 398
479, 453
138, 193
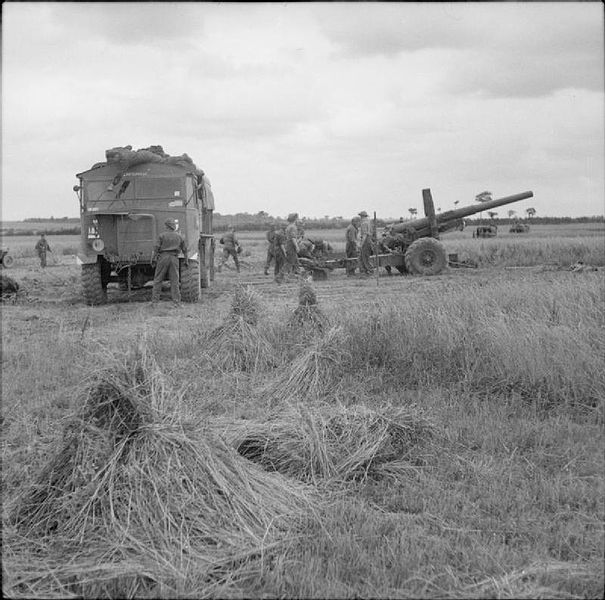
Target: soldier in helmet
42, 248
365, 250
279, 252
165, 256
231, 247
351, 248
292, 264
270, 235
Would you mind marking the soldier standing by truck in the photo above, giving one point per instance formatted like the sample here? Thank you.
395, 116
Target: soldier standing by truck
42, 248
351, 249
365, 234
165, 254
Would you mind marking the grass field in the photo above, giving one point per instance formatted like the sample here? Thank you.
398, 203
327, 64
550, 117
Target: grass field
436, 437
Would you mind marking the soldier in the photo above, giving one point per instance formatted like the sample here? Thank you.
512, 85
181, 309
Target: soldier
365, 252
385, 246
230, 248
320, 247
270, 254
279, 253
351, 249
306, 249
165, 254
42, 248
292, 265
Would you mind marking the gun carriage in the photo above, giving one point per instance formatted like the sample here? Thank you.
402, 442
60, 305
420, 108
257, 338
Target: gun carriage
415, 245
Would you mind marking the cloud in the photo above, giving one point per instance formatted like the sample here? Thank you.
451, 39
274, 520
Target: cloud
500, 49
130, 23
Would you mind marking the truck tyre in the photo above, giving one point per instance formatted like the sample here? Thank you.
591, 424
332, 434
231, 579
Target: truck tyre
8, 261
94, 292
190, 282
425, 256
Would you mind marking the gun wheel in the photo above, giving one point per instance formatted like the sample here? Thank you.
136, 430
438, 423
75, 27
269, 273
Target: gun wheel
425, 256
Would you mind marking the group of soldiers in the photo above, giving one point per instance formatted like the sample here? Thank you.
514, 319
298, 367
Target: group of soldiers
358, 244
288, 247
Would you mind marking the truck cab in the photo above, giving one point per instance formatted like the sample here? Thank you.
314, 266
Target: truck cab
122, 212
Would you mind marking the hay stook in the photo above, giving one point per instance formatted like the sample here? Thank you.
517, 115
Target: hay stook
331, 444
238, 344
131, 482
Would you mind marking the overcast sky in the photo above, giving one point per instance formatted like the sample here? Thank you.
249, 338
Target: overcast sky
323, 109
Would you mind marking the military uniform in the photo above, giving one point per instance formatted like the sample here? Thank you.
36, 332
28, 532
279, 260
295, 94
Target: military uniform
270, 253
230, 244
305, 249
365, 232
166, 250
279, 243
351, 245
42, 248
292, 248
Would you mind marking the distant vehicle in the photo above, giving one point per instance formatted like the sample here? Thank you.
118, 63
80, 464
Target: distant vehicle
486, 231
6, 260
519, 228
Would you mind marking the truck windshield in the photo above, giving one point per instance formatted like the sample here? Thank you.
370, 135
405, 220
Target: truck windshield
160, 188
104, 191
140, 188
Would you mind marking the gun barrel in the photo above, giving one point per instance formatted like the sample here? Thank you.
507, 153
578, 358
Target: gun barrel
460, 213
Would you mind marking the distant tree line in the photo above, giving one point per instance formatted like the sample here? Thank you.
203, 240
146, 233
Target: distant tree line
537, 220
51, 220
261, 222
12, 231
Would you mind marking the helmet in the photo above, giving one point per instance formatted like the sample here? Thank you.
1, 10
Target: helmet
170, 223
363, 213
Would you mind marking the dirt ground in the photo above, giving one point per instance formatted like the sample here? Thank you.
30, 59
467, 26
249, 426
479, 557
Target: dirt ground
58, 285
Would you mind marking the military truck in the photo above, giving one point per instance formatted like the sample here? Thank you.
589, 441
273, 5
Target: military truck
124, 203
518, 227
486, 231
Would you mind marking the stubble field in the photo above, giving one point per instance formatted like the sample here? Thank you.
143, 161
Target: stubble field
409, 437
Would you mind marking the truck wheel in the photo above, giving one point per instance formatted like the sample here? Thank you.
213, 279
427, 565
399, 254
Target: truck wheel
190, 282
94, 293
8, 261
425, 256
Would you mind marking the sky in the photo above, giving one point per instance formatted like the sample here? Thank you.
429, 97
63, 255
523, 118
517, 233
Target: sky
315, 108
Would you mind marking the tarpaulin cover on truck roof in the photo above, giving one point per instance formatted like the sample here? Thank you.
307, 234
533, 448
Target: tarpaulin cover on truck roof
125, 157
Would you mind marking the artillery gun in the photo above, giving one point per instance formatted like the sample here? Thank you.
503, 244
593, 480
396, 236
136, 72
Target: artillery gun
416, 248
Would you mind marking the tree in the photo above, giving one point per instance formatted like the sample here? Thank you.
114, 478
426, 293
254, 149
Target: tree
530, 212
483, 197
413, 212
511, 212
491, 214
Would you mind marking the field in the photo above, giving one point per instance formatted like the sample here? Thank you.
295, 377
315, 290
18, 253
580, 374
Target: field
405, 437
